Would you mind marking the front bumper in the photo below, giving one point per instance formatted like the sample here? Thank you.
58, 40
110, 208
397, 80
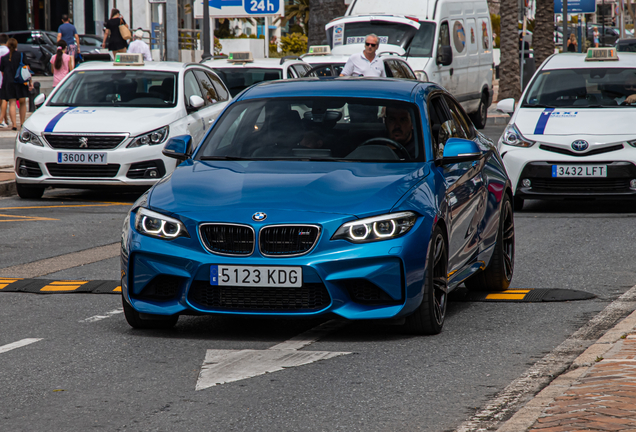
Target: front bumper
535, 165
125, 167
378, 280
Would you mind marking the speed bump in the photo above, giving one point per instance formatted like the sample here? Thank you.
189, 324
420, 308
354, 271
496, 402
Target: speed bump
48, 286
524, 295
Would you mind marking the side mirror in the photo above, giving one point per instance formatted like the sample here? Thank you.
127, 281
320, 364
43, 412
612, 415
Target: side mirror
445, 55
179, 147
196, 102
39, 99
460, 150
506, 105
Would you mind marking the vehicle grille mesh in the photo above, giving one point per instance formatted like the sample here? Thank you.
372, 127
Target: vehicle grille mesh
228, 239
284, 240
95, 142
83, 171
580, 185
308, 297
596, 151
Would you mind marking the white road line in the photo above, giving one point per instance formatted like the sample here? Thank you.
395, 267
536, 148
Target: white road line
224, 366
101, 317
18, 344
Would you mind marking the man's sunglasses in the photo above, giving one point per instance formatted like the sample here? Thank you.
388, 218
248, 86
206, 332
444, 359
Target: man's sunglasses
370, 44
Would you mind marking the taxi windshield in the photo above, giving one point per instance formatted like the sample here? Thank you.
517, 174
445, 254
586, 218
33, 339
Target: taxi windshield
314, 128
580, 88
238, 79
121, 88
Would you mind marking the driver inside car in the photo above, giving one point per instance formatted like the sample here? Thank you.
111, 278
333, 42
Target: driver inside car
400, 128
629, 95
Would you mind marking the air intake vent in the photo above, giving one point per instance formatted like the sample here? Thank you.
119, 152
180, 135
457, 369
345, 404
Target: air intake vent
288, 240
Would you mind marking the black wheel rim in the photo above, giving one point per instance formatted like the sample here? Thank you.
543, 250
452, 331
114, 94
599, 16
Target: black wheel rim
483, 111
440, 279
508, 243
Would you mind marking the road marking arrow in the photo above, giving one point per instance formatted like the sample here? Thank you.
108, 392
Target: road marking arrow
224, 366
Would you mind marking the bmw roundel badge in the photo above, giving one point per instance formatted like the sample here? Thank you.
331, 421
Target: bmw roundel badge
580, 145
259, 216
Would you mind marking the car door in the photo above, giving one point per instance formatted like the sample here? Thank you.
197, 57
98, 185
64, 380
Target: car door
213, 101
195, 120
464, 183
441, 74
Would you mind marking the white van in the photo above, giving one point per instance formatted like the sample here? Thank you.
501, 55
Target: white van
448, 42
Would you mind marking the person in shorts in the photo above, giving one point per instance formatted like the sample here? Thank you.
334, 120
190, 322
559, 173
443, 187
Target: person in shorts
68, 33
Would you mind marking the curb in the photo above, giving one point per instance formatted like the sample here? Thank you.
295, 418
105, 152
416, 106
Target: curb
7, 188
527, 416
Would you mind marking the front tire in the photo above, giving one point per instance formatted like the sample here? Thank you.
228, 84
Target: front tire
29, 192
157, 322
518, 203
498, 274
428, 318
480, 117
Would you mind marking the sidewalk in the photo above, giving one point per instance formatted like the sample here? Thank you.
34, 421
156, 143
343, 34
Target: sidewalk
597, 393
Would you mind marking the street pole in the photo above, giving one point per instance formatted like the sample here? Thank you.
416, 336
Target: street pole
172, 31
565, 26
206, 31
523, 44
603, 35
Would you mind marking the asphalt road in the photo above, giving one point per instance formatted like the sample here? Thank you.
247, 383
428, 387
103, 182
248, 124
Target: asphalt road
90, 370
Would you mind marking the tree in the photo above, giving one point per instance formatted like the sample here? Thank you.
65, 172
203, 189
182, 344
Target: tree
543, 36
509, 82
299, 10
322, 11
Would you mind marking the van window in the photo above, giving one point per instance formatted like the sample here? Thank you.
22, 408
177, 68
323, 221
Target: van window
444, 38
422, 43
389, 33
485, 35
459, 36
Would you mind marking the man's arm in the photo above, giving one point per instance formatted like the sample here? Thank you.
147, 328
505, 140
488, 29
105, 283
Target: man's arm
77, 41
347, 70
147, 53
106, 33
59, 36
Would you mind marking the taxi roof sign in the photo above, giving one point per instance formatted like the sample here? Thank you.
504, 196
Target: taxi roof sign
601, 54
319, 50
243, 56
129, 59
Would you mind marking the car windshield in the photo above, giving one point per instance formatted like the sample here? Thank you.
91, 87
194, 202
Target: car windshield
122, 88
389, 33
422, 43
578, 88
238, 79
626, 46
314, 128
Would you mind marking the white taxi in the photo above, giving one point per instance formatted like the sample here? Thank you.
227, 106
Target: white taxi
573, 133
105, 124
239, 70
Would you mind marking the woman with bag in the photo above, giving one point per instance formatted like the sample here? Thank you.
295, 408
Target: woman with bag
61, 62
118, 31
16, 81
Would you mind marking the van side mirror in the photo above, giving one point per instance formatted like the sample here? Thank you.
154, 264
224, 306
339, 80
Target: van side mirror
506, 105
179, 148
445, 55
460, 150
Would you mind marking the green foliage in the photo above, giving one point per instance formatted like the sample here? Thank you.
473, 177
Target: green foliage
298, 10
242, 36
496, 27
218, 48
295, 43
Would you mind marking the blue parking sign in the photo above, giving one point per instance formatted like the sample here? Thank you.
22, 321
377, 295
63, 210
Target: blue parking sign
256, 7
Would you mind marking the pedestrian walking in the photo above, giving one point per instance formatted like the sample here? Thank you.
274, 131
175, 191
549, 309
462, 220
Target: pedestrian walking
139, 46
572, 43
61, 63
365, 63
3, 106
11, 90
117, 42
68, 33
596, 36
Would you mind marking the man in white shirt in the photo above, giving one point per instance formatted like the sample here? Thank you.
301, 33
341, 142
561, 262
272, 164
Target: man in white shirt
139, 46
365, 63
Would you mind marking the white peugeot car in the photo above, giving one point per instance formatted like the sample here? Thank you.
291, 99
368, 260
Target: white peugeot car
105, 124
573, 133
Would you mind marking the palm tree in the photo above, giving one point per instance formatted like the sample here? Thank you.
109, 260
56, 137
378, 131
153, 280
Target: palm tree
299, 9
322, 11
543, 36
509, 82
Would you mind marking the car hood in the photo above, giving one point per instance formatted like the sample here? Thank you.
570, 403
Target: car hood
359, 189
554, 125
100, 119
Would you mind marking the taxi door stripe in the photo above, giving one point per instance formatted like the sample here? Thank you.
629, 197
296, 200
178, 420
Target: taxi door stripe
49, 127
543, 121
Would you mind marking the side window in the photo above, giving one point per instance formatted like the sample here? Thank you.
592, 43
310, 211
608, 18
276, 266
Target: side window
439, 119
444, 35
207, 88
190, 87
394, 67
291, 72
406, 69
300, 70
459, 36
23, 38
485, 35
463, 126
221, 90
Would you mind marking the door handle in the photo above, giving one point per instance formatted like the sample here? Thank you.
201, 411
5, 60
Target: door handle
211, 121
451, 71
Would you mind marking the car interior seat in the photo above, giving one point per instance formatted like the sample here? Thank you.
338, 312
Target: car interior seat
167, 89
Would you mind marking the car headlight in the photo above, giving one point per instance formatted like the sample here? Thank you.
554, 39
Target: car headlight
511, 136
421, 76
376, 228
157, 225
154, 137
28, 137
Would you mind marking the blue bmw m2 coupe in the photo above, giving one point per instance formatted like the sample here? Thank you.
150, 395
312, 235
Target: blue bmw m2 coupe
365, 198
